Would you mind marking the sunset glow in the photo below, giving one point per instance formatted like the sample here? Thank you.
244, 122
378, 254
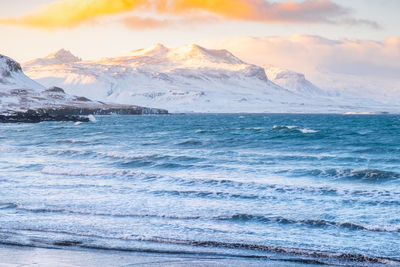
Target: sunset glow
72, 13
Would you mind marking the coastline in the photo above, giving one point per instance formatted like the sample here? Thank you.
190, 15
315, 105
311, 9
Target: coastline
13, 256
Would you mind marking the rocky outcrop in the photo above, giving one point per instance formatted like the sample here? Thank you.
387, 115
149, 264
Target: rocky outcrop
36, 116
75, 114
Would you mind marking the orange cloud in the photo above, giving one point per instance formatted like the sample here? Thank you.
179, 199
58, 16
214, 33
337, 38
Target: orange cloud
144, 23
238, 9
139, 23
71, 13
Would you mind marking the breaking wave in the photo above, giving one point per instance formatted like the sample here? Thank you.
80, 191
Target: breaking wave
230, 249
306, 222
292, 128
367, 175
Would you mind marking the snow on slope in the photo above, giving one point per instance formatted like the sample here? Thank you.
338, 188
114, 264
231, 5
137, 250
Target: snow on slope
11, 76
18, 93
293, 81
187, 79
60, 57
349, 67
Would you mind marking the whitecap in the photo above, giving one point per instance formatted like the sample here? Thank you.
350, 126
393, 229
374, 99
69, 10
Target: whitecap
76, 171
92, 118
305, 130
255, 128
284, 127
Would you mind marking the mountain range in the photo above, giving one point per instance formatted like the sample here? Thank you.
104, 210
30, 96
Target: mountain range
190, 78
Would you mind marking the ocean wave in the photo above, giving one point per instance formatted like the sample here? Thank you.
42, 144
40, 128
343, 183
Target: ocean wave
4, 206
318, 223
263, 187
306, 222
156, 165
151, 159
82, 172
305, 130
73, 141
71, 152
190, 143
281, 253
353, 196
130, 155
322, 257
208, 194
93, 213
255, 128
283, 127
368, 175
293, 128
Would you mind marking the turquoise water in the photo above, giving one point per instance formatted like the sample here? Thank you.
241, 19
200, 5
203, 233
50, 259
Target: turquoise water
303, 188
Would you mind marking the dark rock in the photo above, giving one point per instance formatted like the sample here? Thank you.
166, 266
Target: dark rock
74, 114
36, 116
55, 89
104, 110
82, 99
13, 66
19, 92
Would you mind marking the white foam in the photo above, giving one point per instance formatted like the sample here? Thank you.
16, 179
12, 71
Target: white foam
290, 127
76, 171
305, 130
92, 118
254, 128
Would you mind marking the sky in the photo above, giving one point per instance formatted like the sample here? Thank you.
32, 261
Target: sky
101, 28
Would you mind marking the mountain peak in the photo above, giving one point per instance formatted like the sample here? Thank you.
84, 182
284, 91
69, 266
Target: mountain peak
8, 66
194, 51
64, 56
12, 77
275, 73
154, 50
191, 50
61, 56
292, 80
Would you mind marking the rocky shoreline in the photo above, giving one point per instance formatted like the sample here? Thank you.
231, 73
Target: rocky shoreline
74, 114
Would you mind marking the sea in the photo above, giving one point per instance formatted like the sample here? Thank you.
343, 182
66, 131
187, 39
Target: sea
302, 188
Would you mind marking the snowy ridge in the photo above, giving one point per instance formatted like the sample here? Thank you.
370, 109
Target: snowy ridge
18, 93
11, 76
192, 78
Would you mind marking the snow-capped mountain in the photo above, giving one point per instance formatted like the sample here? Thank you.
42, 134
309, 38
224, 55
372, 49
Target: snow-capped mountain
190, 78
60, 57
11, 76
293, 81
18, 94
